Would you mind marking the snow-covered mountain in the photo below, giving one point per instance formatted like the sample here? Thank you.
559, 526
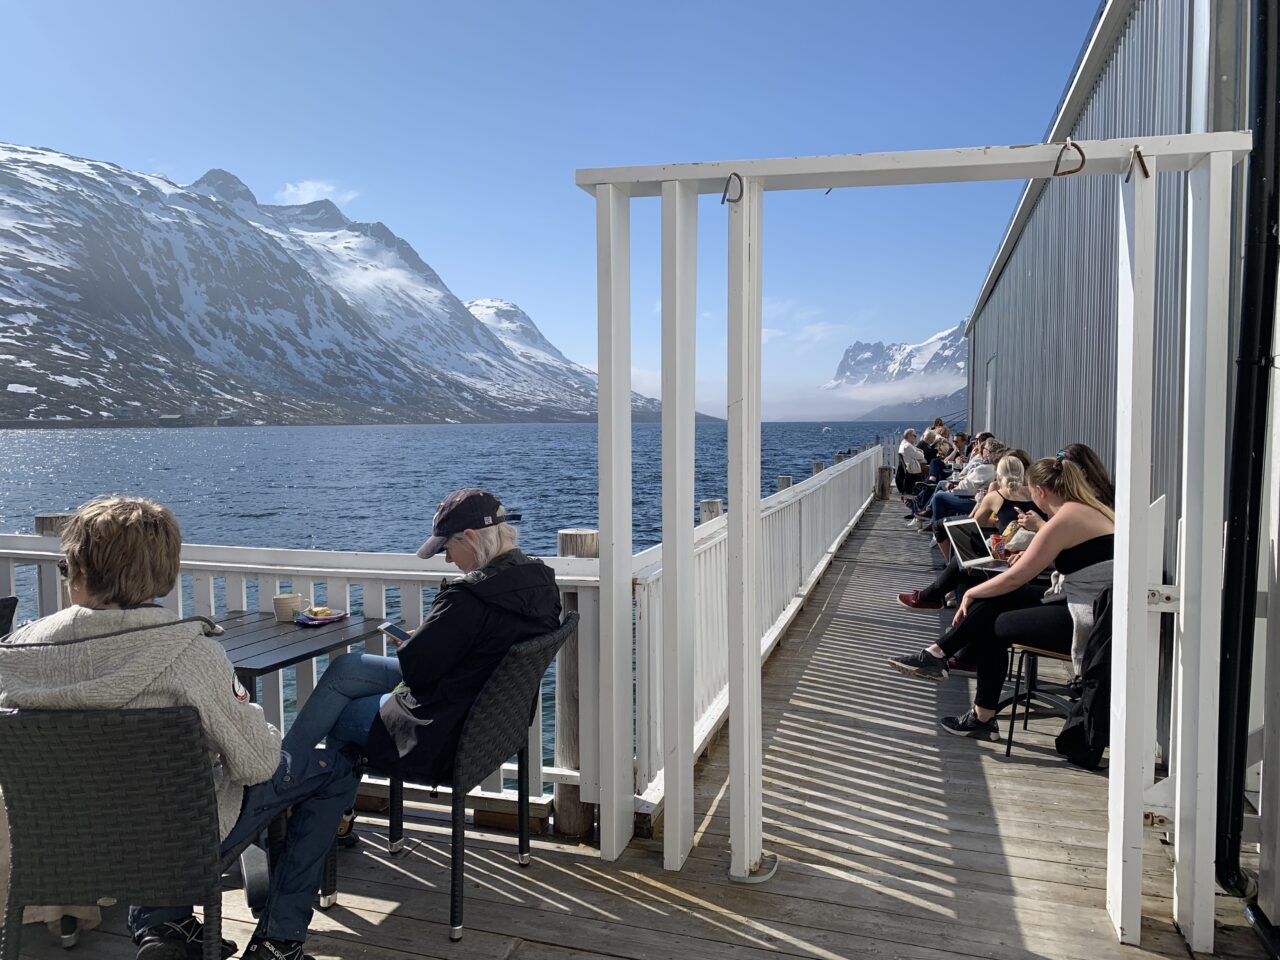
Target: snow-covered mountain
123, 295
944, 355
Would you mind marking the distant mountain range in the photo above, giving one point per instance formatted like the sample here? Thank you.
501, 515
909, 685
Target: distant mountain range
124, 296
905, 381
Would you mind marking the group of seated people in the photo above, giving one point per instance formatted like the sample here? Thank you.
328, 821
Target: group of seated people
116, 648
1052, 523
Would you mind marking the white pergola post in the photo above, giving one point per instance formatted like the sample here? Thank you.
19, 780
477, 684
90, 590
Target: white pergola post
1195, 694
745, 755
613, 277
1129, 662
679, 320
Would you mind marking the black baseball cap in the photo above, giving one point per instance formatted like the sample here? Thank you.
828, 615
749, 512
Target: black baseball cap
467, 509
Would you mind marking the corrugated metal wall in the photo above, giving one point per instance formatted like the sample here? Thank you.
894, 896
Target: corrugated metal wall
1050, 322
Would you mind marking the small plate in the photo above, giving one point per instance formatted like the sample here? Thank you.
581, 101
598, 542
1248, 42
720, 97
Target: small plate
306, 620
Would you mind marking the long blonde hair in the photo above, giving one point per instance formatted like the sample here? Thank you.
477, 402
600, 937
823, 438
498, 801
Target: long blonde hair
1067, 481
1013, 477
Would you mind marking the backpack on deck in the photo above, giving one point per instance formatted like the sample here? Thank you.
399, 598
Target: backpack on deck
1087, 731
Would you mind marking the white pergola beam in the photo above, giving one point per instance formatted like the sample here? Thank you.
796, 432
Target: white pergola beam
1136, 247
613, 278
745, 755
1196, 675
679, 323
961, 165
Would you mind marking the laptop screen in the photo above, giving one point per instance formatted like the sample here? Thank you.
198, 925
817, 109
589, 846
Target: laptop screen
966, 537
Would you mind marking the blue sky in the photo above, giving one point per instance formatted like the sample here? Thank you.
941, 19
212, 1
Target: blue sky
461, 125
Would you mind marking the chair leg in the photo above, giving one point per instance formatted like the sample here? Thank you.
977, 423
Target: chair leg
522, 761
329, 882
11, 932
1033, 675
212, 947
455, 864
1013, 719
395, 838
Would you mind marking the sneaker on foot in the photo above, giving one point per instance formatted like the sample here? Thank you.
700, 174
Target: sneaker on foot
265, 949
923, 665
183, 940
914, 601
970, 726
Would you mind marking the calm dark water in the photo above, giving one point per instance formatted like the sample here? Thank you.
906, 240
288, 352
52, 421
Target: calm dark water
373, 487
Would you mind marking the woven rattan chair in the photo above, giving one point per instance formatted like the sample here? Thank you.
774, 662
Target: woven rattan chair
109, 803
8, 608
496, 728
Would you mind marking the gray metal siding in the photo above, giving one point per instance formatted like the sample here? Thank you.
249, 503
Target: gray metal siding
1050, 322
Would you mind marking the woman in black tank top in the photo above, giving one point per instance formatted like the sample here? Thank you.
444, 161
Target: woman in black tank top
1006, 609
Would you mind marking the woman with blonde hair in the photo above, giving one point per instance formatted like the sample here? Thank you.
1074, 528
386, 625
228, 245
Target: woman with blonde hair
1078, 540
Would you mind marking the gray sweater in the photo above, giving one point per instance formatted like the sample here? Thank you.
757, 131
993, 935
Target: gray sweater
145, 657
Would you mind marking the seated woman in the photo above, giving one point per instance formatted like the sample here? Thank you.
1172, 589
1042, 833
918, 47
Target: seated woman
956, 497
1079, 540
116, 648
406, 712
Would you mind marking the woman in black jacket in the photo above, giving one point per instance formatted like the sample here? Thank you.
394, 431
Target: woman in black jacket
407, 711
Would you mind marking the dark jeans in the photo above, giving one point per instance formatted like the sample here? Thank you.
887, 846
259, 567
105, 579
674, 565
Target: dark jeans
952, 577
994, 624
319, 785
947, 504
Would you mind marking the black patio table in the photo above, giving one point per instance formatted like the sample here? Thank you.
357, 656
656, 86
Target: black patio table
258, 645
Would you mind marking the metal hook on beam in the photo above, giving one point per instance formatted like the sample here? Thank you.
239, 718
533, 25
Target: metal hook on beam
724, 197
1136, 155
1057, 164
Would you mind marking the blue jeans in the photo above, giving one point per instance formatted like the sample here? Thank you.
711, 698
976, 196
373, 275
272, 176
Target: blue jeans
319, 785
947, 504
345, 702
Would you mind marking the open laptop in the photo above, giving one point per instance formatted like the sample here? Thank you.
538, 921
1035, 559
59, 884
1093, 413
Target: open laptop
970, 544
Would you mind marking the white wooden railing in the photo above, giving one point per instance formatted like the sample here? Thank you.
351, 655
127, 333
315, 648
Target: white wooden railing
218, 579
800, 526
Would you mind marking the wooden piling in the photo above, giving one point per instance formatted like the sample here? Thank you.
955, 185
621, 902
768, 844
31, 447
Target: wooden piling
573, 818
818, 467
783, 483
709, 510
51, 524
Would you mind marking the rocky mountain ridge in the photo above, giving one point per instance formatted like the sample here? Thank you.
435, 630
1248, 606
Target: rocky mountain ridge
124, 296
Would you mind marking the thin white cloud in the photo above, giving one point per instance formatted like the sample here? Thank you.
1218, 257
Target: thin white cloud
819, 332
770, 333
309, 191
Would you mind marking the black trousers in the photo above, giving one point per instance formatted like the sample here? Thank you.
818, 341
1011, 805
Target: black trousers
952, 577
994, 624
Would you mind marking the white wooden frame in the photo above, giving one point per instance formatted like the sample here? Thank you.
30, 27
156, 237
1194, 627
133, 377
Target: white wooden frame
1134, 591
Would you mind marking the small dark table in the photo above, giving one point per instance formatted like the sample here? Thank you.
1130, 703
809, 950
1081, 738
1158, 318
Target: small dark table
258, 645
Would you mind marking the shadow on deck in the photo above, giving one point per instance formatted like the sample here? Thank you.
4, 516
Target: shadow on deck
895, 839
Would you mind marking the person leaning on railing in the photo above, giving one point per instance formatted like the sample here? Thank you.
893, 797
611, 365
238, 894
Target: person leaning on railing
1078, 540
406, 712
115, 648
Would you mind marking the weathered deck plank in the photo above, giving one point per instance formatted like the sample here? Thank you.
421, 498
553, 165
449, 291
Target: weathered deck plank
896, 840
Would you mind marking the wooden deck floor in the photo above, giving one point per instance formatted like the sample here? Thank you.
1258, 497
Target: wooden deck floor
895, 840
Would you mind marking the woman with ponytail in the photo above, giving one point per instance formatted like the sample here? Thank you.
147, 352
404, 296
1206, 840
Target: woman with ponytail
1078, 540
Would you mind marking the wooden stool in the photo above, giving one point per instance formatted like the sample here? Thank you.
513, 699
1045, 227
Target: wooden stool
1025, 651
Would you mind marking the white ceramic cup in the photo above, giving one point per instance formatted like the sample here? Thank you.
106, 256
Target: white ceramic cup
287, 605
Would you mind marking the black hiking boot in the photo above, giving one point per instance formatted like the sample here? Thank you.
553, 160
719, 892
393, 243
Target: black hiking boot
183, 940
264, 949
970, 726
923, 665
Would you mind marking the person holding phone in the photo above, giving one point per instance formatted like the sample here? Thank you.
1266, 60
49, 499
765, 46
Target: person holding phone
406, 711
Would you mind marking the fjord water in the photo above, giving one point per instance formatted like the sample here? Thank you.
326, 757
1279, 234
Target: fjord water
373, 487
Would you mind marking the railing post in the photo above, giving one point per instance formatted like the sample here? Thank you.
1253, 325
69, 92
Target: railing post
818, 466
783, 483
572, 817
709, 510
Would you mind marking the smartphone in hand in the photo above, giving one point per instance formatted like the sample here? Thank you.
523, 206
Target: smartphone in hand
394, 632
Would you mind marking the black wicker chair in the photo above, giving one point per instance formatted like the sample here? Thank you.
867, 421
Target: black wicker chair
8, 608
496, 727
80, 829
